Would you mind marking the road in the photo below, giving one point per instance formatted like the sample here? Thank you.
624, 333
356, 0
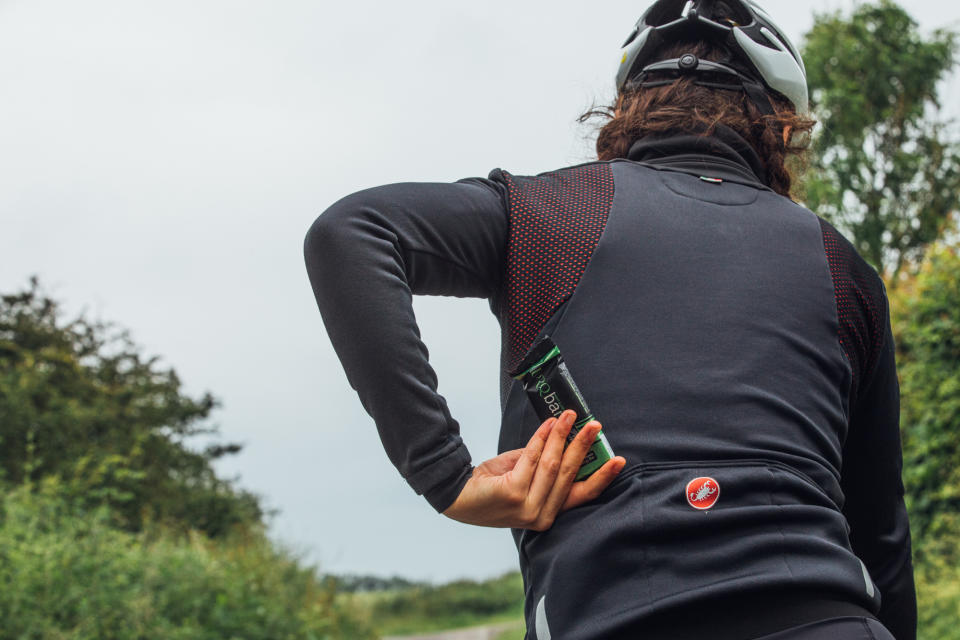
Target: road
487, 632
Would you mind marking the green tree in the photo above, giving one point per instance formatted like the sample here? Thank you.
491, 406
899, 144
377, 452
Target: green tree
886, 169
925, 312
79, 402
926, 316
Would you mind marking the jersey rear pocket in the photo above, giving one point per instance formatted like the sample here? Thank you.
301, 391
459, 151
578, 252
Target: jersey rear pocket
665, 535
727, 522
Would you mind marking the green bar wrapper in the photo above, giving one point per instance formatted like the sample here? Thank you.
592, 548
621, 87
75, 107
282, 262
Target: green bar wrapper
551, 391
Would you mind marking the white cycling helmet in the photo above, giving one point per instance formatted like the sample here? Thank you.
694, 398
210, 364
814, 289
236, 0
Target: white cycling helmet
762, 56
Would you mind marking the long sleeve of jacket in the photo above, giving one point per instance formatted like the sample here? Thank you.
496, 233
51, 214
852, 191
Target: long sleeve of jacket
366, 256
872, 484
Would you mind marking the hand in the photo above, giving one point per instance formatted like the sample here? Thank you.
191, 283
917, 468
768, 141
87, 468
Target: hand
526, 488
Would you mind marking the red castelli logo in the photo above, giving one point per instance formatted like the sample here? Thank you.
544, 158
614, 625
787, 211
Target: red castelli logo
702, 493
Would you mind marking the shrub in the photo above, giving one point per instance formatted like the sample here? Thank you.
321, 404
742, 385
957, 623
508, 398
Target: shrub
72, 575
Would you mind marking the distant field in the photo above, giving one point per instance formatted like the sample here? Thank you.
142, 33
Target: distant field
515, 634
422, 609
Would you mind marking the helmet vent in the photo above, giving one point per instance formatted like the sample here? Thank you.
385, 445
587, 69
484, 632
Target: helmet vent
726, 12
665, 13
732, 14
752, 45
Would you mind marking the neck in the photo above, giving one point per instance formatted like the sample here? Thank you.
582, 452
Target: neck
724, 151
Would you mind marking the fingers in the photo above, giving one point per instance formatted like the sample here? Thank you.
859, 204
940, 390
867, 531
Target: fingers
526, 488
546, 472
593, 486
522, 473
569, 466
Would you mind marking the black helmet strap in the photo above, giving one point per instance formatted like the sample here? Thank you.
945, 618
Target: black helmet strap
689, 64
759, 96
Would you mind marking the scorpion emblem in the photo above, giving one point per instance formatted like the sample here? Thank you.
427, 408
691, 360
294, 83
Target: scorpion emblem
703, 492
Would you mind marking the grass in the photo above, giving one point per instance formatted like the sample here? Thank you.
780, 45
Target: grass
513, 634
464, 603
412, 626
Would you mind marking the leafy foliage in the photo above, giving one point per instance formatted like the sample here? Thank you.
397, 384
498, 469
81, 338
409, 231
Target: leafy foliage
887, 171
77, 577
926, 316
926, 320
938, 580
110, 526
83, 405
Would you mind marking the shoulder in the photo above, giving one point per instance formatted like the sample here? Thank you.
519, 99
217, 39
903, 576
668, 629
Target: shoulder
861, 298
580, 171
568, 187
846, 263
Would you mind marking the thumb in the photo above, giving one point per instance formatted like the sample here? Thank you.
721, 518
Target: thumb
503, 463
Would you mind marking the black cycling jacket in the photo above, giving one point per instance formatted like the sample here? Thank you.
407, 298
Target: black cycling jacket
715, 328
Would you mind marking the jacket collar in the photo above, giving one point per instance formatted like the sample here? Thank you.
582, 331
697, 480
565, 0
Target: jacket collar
724, 154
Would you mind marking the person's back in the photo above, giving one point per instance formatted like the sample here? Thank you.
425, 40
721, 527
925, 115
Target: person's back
734, 345
706, 332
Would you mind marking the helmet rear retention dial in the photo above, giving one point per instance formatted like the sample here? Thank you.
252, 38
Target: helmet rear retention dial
688, 62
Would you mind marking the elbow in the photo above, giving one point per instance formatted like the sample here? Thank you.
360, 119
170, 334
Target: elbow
341, 219
321, 245
347, 233
323, 254
314, 240
353, 219
327, 232
321, 233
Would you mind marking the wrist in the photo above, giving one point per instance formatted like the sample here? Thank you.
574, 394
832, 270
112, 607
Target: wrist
442, 496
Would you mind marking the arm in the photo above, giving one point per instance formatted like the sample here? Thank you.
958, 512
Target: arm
366, 256
872, 484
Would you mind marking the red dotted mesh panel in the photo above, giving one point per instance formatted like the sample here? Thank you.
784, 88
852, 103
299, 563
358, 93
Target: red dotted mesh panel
861, 303
556, 219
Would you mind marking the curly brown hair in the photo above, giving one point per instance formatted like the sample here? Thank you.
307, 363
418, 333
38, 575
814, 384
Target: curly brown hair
685, 107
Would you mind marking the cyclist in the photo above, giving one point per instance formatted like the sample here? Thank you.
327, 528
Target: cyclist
736, 347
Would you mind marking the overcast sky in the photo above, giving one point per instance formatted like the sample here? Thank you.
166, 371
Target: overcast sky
160, 163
